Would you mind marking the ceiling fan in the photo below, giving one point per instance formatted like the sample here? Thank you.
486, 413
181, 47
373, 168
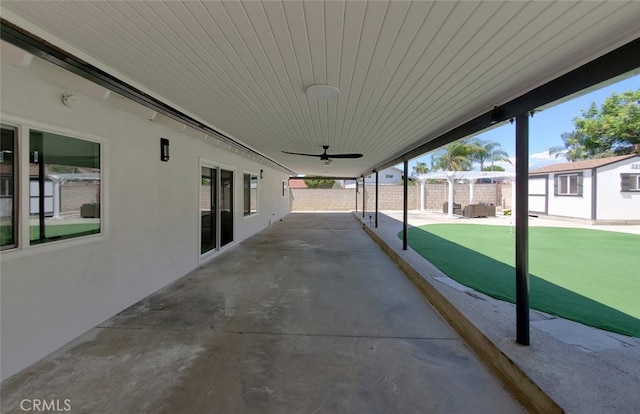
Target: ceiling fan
324, 156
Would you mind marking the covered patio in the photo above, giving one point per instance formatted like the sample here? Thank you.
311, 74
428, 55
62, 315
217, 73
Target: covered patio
189, 110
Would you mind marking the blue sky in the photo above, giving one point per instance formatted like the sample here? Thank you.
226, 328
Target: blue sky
546, 126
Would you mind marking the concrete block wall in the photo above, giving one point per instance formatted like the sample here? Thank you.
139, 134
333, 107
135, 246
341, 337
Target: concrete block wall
74, 195
322, 199
391, 196
505, 197
437, 194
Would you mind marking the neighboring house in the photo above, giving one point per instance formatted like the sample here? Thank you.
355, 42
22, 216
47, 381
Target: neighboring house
388, 176
297, 183
604, 190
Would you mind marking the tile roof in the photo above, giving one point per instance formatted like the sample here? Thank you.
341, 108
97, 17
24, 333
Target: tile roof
581, 165
297, 183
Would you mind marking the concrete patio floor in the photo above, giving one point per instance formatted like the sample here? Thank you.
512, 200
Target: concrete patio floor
307, 316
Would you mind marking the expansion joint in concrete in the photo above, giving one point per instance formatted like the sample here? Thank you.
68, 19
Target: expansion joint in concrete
412, 338
146, 328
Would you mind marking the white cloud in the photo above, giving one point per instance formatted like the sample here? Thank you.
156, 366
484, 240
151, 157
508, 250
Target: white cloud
542, 156
536, 160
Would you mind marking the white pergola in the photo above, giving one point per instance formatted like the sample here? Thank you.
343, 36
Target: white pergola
59, 179
470, 177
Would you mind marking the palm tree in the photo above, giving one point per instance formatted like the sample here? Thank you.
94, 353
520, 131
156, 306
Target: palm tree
455, 156
573, 148
489, 151
420, 168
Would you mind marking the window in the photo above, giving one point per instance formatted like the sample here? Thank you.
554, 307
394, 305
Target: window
629, 182
388, 176
8, 197
568, 184
250, 194
64, 187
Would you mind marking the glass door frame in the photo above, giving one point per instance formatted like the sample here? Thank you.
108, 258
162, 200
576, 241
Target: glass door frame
218, 167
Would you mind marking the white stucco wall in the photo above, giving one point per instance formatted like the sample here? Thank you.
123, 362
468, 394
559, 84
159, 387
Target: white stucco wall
537, 196
52, 293
612, 203
571, 206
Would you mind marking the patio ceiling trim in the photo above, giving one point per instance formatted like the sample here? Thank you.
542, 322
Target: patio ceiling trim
45, 50
615, 63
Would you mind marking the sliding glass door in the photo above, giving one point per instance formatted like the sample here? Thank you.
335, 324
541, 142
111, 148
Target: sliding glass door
208, 211
216, 208
226, 207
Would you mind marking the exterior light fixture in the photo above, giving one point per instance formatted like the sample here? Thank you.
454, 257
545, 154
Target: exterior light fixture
323, 92
164, 149
496, 116
261, 172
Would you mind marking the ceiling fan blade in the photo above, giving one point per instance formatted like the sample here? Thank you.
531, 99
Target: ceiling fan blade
345, 155
299, 153
324, 156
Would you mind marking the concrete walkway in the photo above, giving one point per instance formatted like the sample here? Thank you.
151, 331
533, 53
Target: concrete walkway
307, 316
583, 369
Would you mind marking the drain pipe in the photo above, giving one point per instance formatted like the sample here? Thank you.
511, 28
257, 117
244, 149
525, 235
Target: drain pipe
377, 191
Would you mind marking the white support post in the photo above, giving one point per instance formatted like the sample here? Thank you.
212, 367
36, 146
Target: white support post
56, 196
422, 184
451, 182
471, 185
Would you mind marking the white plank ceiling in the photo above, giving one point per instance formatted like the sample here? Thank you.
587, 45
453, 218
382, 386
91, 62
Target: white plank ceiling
406, 70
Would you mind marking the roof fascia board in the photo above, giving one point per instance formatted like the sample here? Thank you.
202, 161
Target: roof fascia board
567, 167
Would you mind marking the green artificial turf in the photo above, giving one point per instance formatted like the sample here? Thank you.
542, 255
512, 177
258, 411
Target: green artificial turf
589, 276
6, 234
53, 232
64, 231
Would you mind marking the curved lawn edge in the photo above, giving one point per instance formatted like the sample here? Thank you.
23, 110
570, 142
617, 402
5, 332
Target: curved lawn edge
584, 275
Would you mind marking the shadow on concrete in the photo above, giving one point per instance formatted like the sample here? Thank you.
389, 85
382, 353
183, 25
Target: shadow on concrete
497, 279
